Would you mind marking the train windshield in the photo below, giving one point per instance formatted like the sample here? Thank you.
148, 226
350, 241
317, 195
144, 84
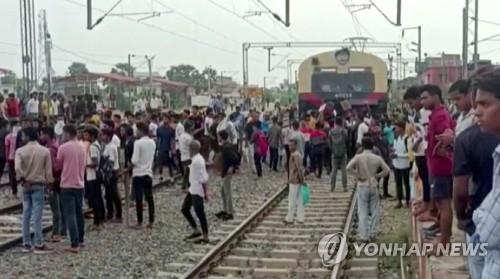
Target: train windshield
343, 85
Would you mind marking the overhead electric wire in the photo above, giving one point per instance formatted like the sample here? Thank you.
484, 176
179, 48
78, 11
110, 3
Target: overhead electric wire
190, 19
272, 17
244, 19
80, 56
164, 30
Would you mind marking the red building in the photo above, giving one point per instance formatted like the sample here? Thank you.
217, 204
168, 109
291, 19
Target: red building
442, 71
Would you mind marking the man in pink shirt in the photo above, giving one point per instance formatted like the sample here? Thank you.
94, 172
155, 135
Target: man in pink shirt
71, 156
439, 157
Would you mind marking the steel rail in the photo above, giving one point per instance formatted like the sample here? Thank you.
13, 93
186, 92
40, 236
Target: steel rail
347, 229
217, 254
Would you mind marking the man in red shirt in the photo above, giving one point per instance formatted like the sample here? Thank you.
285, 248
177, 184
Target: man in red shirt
12, 104
439, 157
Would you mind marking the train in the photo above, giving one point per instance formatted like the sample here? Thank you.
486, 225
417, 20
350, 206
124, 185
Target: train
337, 77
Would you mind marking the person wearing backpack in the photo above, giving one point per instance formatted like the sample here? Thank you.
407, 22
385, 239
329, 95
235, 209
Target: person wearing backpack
93, 185
260, 144
109, 168
230, 162
401, 163
337, 139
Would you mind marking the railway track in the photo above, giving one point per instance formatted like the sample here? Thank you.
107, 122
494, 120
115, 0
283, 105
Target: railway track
262, 246
11, 219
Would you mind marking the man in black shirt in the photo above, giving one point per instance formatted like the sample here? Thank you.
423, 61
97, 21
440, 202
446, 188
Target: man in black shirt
473, 176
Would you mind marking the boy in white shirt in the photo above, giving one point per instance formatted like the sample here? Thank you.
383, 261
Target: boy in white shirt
112, 196
198, 178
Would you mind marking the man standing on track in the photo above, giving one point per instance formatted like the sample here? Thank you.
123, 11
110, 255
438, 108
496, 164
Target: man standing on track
367, 168
72, 158
142, 173
47, 138
230, 158
34, 169
93, 185
184, 141
296, 179
337, 139
198, 179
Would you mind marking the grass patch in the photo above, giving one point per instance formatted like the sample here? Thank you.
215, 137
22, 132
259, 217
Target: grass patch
394, 227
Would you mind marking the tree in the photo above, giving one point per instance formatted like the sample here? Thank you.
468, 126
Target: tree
123, 69
77, 68
188, 74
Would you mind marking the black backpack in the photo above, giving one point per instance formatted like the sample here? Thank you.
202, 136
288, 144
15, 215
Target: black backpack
104, 170
234, 157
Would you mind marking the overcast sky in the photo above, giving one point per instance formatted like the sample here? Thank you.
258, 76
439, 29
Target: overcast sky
201, 33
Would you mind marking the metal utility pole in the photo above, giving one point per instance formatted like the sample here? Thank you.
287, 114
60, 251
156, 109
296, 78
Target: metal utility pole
130, 73
28, 43
221, 81
150, 68
48, 55
465, 40
476, 26
419, 44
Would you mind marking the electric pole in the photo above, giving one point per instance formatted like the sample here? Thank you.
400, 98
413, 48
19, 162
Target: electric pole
465, 40
150, 67
476, 19
48, 55
28, 44
130, 72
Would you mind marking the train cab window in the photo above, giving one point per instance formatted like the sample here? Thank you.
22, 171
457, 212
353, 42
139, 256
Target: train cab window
352, 83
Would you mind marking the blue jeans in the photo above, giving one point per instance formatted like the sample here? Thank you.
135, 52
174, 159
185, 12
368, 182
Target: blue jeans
33, 207
367, 211
476, 263
72, 200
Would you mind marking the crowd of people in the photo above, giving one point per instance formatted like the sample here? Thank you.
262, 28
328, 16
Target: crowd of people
450, 155
453, 156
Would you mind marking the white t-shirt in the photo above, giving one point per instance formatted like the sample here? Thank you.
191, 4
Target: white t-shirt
142, 105
184, 140
464, 121
32, 106
179, 130
362, 130
152, 129
94, 152
116, 141
207, 124
111, 151
420, 133
424, 116
197, 176
229, 127
143, 157
401, 161
155, 103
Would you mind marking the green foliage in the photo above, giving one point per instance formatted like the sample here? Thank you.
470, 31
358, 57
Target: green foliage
77, 68
123, 69
192, 76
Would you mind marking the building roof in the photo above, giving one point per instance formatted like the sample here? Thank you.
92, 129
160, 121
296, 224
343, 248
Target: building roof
114, 77
109, 77
5, 71
170, 83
